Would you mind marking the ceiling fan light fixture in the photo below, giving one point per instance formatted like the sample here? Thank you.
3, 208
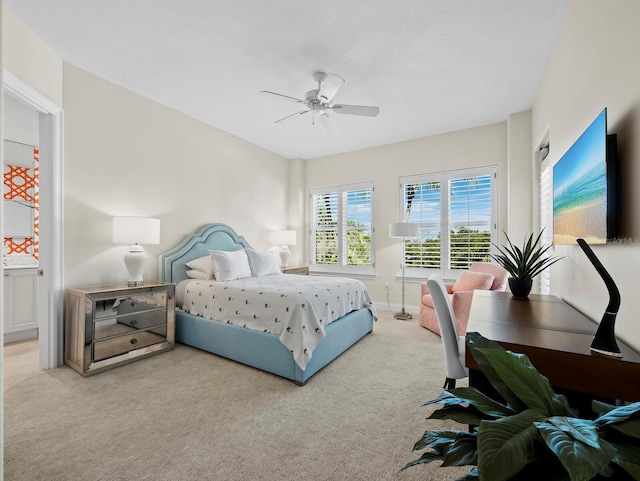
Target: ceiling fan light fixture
329, 123
320, 100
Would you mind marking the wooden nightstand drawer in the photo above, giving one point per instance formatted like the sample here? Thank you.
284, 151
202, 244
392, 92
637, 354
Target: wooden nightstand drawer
117, 346
144, 320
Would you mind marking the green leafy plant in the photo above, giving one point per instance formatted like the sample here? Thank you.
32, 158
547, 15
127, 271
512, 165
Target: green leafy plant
531, 432
526, 262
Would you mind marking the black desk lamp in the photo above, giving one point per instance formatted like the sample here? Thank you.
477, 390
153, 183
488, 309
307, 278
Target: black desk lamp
604, 342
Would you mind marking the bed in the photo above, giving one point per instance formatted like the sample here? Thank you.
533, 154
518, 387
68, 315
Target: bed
257, 348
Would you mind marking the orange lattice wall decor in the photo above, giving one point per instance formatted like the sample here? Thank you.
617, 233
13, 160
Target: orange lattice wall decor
22, 246
22, 183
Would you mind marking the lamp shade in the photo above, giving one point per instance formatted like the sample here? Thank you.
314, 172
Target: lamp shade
136, 230
283, 237
403, 230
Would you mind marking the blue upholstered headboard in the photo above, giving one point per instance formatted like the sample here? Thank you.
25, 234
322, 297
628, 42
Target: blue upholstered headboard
211, 236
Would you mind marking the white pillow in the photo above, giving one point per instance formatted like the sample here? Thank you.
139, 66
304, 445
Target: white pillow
262, 264
193, 274
230, 265
202, 264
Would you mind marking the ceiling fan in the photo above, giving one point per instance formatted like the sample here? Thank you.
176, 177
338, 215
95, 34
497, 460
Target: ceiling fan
319, 102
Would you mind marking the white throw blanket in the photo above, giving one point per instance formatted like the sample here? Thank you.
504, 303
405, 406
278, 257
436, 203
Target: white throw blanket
297, 308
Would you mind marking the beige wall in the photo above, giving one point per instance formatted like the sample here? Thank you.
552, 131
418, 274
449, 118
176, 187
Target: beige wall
128, 155
519, 178
27, 57
595, 65
482, 146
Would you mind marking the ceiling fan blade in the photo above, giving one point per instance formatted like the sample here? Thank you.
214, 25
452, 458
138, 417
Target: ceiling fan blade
286, 97
356, 110
290, 117
329, 123
329, 87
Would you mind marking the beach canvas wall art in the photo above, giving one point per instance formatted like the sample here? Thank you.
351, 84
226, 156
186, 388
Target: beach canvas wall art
580, 188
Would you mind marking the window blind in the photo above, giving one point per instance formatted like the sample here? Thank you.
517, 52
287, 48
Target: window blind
456, 213
546, 223
342, 228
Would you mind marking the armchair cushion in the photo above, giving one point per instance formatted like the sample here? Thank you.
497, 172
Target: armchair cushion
461, 299
469, 280
499, 273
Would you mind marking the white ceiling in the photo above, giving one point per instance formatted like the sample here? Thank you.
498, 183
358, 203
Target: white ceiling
432, 66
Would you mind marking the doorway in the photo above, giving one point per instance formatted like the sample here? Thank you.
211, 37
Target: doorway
50, 258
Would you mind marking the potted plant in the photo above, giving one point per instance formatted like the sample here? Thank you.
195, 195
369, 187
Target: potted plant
524, 263
532, 432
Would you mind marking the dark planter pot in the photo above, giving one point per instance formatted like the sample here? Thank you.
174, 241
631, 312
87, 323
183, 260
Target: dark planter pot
520, 288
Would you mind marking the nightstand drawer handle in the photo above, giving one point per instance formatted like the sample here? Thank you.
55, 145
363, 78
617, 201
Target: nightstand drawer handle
133, 341
134, 322
134, 303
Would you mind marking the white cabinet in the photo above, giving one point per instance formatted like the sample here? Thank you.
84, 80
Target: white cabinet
20, 304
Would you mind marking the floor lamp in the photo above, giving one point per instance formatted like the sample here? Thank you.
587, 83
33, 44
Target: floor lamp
403, 230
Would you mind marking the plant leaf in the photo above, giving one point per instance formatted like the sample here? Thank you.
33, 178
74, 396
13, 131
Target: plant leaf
458, 413
470, 476
618, 415
581, 461
426, 458
482, 402
627, 449
476, 342
506, 445
599, 408
625, 419
531, 387
439, 441
445, 398
463, 452
526, 262
632, 468
631, 428
583, 430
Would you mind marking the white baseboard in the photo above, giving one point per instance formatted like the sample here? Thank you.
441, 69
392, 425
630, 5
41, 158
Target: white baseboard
383, 306
20, 335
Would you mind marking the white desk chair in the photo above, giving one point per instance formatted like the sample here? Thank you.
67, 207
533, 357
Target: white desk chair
453, 344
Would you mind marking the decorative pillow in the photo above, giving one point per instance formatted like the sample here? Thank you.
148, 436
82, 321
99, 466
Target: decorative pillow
230, 265
262, 263
193, 274
468, 281
202, 264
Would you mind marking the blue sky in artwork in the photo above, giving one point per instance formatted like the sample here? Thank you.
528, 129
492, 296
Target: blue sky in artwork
585, 154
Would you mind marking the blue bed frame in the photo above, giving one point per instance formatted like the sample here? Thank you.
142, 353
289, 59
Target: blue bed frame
254, 348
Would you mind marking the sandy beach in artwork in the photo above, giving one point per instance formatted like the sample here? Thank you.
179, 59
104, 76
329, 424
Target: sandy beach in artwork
588, 222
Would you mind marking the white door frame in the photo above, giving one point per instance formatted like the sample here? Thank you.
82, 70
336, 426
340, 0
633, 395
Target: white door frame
50, 302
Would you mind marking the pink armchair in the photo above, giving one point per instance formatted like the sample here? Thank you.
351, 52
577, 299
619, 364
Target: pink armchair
481, 275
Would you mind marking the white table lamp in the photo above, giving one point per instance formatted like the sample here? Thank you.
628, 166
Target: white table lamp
136, 231
284, 238
403, 230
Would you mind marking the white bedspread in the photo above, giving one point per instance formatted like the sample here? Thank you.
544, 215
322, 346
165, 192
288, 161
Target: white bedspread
297, 308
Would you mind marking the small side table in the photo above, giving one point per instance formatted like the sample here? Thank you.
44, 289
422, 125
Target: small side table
301, 271
106, 326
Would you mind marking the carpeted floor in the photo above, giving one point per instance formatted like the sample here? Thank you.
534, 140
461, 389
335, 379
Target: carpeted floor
188, 415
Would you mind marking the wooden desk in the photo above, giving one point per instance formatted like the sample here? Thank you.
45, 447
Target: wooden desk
556, 338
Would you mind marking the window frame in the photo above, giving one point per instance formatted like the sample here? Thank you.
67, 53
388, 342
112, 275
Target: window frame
443, 178
341, 267
546, 218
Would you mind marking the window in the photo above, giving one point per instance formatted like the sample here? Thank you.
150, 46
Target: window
546, 222
457, 215
342, 229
